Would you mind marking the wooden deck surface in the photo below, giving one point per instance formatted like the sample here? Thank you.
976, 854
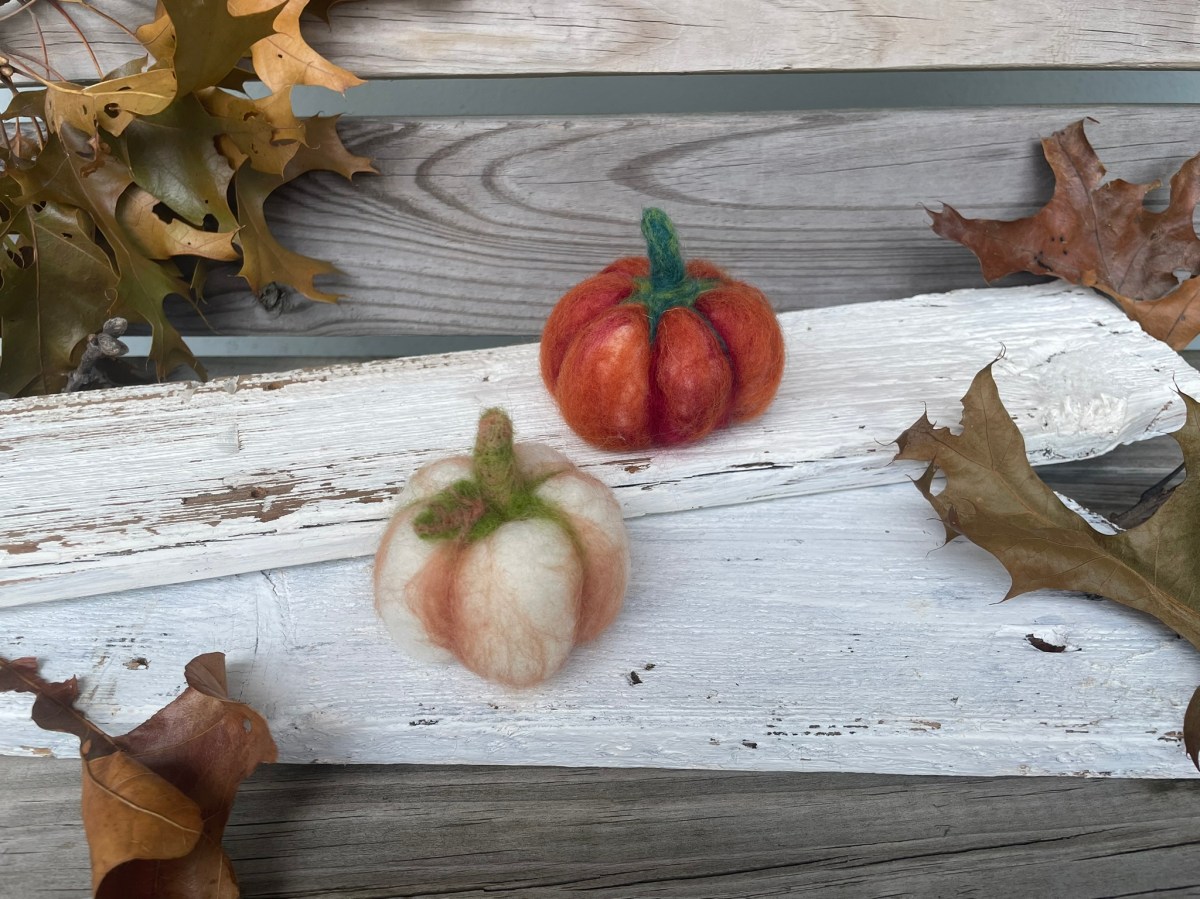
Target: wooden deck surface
369, 832
499, 37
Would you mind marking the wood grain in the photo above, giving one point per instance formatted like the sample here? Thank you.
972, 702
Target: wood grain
369, 832
500, 37
815, 633
479, 225
237, 474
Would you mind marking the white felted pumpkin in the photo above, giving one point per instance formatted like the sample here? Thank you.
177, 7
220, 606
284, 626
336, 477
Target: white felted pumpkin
504, 559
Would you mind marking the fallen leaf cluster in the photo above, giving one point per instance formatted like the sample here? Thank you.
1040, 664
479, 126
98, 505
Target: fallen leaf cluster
1100, 234
156, 800
995, 499
118, 195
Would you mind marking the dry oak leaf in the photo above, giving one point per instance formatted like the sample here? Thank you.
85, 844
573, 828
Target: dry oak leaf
159, 239
263, 132
285, 59
50, 252
993, 498
111, 104
174, 156
264, 258
156, 800
1100, 235
214, 38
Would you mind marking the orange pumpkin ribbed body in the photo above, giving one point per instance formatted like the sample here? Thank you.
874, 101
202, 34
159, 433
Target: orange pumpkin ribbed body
654, 352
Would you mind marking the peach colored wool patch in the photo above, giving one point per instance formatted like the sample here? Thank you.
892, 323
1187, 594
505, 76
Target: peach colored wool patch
503, 560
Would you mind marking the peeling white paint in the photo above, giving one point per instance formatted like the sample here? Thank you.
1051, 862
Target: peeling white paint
828, 631
246, 473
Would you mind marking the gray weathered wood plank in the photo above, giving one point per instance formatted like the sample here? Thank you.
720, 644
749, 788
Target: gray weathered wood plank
368, 832
501, 37
479, 225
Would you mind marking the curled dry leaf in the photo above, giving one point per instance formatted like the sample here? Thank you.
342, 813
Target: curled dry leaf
996, 500
284, 58
159, 238
111, 104
181, 38
1100, 234
156, 800
263, 132
264, 258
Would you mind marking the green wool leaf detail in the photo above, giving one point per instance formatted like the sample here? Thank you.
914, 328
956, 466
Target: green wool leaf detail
496, 494
668, 286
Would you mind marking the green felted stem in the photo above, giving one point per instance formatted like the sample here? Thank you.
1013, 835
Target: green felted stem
495, 461
668, 285
667, 270
495, 494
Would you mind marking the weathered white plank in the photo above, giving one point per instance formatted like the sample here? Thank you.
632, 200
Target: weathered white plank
479, 225
133, 488
501, 37
811, 633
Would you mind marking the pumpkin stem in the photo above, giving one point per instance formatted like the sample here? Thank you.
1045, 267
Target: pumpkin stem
495, 461
667, 270
495, 493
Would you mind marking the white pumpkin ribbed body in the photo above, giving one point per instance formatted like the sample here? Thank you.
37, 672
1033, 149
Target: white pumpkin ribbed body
518, 592
509, 605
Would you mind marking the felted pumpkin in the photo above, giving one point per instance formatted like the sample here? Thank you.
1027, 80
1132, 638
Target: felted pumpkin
504, 559
653, 351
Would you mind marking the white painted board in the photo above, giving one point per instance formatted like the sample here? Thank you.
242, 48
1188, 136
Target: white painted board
171, 483
812, 633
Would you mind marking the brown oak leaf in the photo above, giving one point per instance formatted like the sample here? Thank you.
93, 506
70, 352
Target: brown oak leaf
202, 42
156, 800
284, 58
264, 258
995, 499
1100, 234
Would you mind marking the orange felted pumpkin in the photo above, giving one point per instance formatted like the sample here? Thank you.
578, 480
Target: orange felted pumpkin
652, 352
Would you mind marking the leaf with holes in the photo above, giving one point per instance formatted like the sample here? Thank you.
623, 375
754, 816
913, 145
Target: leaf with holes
156, 800
145, 162
993, 498
173, 155
263, 132
1100, 234
159, 237
111, 105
